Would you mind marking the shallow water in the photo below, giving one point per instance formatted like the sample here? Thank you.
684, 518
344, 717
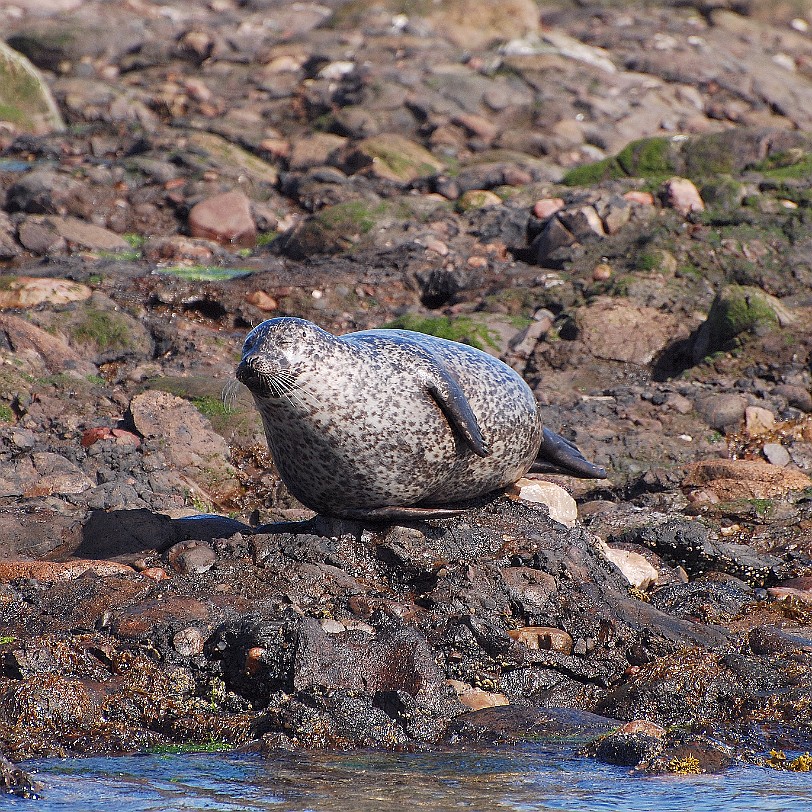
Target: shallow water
537, 778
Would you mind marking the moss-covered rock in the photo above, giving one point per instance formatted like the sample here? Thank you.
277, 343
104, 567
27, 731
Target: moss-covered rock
738, 309
25, 99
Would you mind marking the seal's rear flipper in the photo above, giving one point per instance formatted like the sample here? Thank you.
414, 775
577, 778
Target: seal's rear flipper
560, 456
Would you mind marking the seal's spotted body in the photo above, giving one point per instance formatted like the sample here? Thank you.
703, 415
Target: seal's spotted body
387, 419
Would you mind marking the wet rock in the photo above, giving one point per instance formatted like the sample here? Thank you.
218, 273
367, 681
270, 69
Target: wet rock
15, 781
691, 545
516, 724
543, 638
224, 218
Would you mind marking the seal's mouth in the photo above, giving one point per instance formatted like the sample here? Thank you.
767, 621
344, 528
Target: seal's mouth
247, 374
264, 381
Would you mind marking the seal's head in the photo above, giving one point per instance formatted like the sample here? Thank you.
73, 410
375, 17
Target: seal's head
277, 353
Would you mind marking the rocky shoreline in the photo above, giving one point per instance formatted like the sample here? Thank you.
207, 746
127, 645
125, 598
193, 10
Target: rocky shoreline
614, 201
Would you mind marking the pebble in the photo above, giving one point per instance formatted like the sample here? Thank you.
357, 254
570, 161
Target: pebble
776, 454
191, 557
547, 207
546, 638
188, 642
681, 194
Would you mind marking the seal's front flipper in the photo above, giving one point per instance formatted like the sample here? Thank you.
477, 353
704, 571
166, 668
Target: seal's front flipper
452, 401
560, 456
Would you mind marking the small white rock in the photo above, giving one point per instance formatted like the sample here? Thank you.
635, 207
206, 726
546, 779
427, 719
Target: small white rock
563, 508
633, 566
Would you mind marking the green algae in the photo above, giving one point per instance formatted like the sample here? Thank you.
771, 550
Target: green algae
463, 329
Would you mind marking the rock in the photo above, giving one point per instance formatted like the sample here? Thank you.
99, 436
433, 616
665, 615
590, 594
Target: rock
187, 439
42, 191
25, 99
191, 557
40, 236
776, 454
476, 698
224, 218
681, 194
727, 480
46, 571
584, 222
392, 157
618, 330
547, 207
758, 420
24, 338
314, 150
797, 396
738, 309
23, 292
635, 568
561, 505
722, 412
554, 236
78, 233
188, 642
477, 199
473, 25
233, 161
543, 638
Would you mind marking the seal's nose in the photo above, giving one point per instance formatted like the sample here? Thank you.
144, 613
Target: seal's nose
246, 371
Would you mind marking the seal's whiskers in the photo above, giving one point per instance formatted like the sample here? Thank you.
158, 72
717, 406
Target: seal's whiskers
229, 393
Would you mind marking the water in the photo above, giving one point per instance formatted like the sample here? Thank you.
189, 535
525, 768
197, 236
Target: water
536, 778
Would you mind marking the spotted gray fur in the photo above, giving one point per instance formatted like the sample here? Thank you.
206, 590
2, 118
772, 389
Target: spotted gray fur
366, 421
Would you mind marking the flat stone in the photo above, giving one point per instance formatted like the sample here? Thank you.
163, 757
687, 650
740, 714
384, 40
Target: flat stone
87, 235
224, 218
728, 480
25, 291
618, 330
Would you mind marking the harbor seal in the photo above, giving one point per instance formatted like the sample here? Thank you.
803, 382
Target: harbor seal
392, 423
